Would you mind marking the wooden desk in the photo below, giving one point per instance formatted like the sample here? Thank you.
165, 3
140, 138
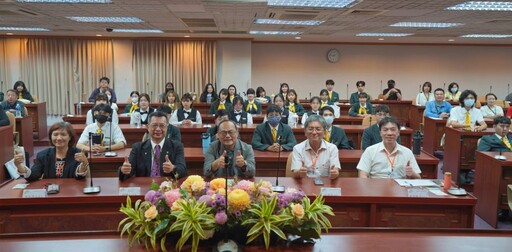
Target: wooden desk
416, 116
433, 131
81, 119
7, 149
365, 203
491, 180
258, 119
38, 113
131, 134
86, 106
398, 109
266, 163
24, 127
459, 151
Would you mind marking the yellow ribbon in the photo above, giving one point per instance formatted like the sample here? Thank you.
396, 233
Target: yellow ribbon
221, 106
323, 104
253, 106
330, 95
133, 107
291, 107
327, 136
362, 111
468, 119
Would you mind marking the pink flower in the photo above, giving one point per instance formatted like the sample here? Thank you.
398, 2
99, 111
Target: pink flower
172, 196
221, 218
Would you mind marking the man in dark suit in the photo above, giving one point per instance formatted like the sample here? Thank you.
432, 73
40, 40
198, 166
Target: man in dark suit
273, 135
333, 96
334, 135
501, 140
371, 135
156, 156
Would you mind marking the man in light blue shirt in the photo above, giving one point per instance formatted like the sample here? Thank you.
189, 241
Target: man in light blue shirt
439, 108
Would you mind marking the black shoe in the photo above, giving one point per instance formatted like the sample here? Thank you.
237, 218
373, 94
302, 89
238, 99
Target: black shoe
503, 215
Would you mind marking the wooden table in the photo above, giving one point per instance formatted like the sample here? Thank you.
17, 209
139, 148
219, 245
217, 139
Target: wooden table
81, 119
24, 127
7, 149
459, 151
86, 106
38, 113
398, 109
267, 163
491, 180
365, 203
416, 116
130, 132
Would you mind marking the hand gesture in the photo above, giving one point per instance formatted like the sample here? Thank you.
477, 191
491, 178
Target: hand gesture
408, 169
96, 148
168, 167
240, 161
19, 160
81, 157
219, 163
334, 172
303, 171
187, 122
127, 167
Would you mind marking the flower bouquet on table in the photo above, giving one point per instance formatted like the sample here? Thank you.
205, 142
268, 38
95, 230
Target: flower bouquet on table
196, 210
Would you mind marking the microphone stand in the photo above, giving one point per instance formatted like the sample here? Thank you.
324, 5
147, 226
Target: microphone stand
500, 156
226, 245
277, 187
91, 188
110, 153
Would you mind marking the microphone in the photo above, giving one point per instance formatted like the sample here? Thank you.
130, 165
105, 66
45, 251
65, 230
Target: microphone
457, 191
226, 244
277, 187
500, 156
310, 92
381, 86
444, 86
347, 91
91, 188
110, 153
490, 88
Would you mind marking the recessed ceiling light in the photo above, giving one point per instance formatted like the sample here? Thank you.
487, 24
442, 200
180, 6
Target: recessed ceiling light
370, 34
298, 38
65, 1
22, 29
381, 39
451, 40
287, 22
482, 6
107, 19
137, 30
486, 36
9, 33
187, 36
426, 24
274, 33
314, 3
98, 35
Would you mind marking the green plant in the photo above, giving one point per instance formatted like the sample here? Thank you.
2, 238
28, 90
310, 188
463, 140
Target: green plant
135, 225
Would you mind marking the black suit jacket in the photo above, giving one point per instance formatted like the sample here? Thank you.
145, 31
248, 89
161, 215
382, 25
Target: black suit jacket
339, 138
492, 143
140, 159
44, 165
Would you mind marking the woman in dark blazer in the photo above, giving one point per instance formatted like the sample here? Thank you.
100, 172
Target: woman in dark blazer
62, 160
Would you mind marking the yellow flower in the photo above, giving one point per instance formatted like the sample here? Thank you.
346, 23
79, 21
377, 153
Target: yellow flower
151, 213
187, 184
297, 210
198, 186
176, 205
239, 200
217, 183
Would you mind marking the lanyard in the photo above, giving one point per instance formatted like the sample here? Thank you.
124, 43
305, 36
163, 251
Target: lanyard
493, 111
313, 162
391, 162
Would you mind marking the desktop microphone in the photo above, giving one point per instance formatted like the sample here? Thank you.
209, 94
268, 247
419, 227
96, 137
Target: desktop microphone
381, 86
457, 191
91, 188
110, 153
419, 88
490, 88
277, 187
500, 156
226, 244
347, 91
444, 86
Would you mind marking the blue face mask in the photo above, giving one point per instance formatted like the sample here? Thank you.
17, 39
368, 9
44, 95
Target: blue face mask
454, 89
329, 119
469, 102
274, 120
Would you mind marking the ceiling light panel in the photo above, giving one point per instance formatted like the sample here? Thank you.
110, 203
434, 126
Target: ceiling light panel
22, 29
287, 22
313, 3
487, 36
138, 30
426, 25
274, 33
66, 1
107, 19
482, 6
372, 34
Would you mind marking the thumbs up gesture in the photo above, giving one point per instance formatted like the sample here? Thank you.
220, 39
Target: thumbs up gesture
408, 169
219, 163
240, 161
334, 172
127, 167
19, 160
168, 167
81, 157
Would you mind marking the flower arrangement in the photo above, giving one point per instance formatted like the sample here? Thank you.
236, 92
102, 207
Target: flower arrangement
197, 211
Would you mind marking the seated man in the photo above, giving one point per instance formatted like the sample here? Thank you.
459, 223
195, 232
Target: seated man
103, 87
112, 137
157, 156
173, 132
354, 97
333, 134
12, 102
315, 157
466, 115
101, 99
334, 97
392, 93
388, 159
239, 155
439, 108
273, 135
500, 141
371, 135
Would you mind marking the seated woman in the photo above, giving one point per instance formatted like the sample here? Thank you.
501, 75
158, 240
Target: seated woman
261, 95
283, 90
466, 115
134, 102
169, 86
315, 108
324, 98
453, 93
491, 110
113, 105
232, 93
101, 99
186, 115
293, 105
62, 160
22, 90
171, 103
141, 114
285, 114
363, 108
423, 97
251, 105
208, 94
238, 114
220, 103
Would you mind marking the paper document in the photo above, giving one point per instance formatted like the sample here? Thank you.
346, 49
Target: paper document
415, 182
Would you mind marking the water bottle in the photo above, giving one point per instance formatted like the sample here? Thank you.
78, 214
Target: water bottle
416, 143
206, 141
137, 119
18, 110
209, 98
295, 120
79, 108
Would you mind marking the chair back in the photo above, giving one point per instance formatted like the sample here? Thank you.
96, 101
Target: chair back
366, 120
509, 195
16, 134
289, 172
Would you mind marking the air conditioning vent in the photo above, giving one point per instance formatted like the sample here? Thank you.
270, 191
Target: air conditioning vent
362, 12
199, 22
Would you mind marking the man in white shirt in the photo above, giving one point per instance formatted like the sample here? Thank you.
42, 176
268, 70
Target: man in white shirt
315, 157
388, 159
112, 137
466, 115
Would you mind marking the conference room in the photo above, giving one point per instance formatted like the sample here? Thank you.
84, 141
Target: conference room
161, 66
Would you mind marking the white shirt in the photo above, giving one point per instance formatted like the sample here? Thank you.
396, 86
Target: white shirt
327, 156
136, 116
458, 114
117, 134
421, 99
88, 120
305, 117
249, 117
375, 161
486, 111
174, 118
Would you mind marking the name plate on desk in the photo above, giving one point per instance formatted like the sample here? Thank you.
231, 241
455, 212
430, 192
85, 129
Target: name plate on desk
35, 193
417, 192
330, 191
129, 191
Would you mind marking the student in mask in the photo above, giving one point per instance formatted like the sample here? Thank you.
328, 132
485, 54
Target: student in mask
101, 99
273, 135
453, 93
169, 87
391, 93
466, 115
111, 136
333, 134
134, 102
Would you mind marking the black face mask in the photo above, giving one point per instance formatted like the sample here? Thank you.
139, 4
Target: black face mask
391, 85
101, 118
169, 89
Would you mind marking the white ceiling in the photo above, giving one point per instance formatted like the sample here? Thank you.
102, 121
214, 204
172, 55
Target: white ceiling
234, 19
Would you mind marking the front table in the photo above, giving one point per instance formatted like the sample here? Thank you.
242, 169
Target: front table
365, 203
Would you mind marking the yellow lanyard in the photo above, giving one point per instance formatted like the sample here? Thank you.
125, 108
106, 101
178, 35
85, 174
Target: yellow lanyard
251, 104
468, 118
330, 95
134, 107
20, 96
313, 162
327, 136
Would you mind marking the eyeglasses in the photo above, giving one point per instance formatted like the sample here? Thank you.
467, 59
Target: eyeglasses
156, 126
382, 114
225, 133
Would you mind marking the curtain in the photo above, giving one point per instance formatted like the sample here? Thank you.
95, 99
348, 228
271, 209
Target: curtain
64, 71
187, 64
3, 72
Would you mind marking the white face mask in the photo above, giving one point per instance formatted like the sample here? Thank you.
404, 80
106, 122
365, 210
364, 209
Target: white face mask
135, 99
329, 119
